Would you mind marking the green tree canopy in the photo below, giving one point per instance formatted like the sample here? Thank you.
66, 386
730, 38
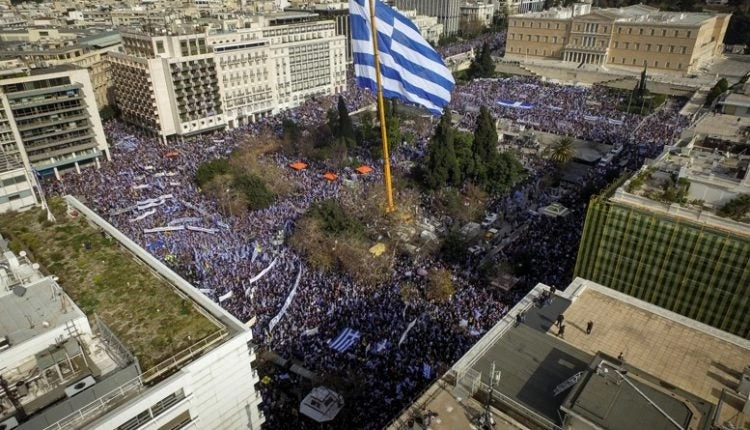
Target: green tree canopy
442, 166
482, 65
737, 209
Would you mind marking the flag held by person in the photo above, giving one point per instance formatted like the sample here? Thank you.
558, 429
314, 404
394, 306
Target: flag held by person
411, 70
345, 340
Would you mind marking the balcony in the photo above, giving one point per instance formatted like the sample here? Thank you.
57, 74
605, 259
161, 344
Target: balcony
33, 125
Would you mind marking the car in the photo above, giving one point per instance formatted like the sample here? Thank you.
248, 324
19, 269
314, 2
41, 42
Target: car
491, 233
489, 220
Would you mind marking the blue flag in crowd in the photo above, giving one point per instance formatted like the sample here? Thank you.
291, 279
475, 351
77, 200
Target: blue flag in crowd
411, 70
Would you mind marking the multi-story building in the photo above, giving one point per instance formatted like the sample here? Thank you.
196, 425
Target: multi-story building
448, 12
620, 363
16, 183
477, 11
631, 38
177, 85
53, 118
180, 362
520, 6
428, 26
664, 237
39, 48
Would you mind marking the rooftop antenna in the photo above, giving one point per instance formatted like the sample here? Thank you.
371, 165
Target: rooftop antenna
486, 422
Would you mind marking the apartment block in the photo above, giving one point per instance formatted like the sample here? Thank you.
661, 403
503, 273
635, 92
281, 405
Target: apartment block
478, 12
632, 37
178, 85
53, 119
448, 12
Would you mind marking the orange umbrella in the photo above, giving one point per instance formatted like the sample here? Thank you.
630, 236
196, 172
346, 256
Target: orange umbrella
363, 170
298, 165
330, 176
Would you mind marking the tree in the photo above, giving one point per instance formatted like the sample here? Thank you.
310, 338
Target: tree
482, 65
366, 129
345, 131
484, 148
504, 172
470, 27
255, 190
462, 144
208, 170
562, 151
439, 285
442, 166
718, 89
737, 209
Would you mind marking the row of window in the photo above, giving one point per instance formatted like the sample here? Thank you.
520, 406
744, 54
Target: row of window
652, 47
594, 28
655, 64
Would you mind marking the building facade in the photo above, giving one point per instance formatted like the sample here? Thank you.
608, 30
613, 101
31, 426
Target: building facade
448, 12
478, 12
201, 82
672, 252
633, 37
16, 184
209, 385
53, 119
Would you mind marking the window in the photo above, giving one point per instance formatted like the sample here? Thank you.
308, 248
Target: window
676, 33
671, 49
682, 50
637, 46
640, 31
679, 66
648, 47
617, 45
652, 31
634, 61
627, 45
656, 64
688, 34
658, 48
159, 47
630, 31
667, 65
664, 33
619, 30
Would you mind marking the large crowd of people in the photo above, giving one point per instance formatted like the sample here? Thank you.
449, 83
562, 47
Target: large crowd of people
148, 191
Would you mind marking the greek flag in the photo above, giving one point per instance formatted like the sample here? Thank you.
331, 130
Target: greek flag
411, 70
345, 340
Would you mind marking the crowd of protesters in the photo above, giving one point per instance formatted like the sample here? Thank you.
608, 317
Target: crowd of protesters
243, 262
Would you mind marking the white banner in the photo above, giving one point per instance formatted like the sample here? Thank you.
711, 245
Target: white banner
406, 332
143, 215
287, 302
259, 275
226, 296
201, 229
162, 229
310, 332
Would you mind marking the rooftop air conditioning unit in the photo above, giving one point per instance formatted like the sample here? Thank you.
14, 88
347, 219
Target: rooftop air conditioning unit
9, 424
79, 386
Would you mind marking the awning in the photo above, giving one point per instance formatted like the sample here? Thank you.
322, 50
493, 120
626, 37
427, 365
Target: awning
298, 165
363, 170
330, 176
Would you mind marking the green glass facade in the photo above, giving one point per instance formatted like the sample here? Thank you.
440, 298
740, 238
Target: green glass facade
696, 271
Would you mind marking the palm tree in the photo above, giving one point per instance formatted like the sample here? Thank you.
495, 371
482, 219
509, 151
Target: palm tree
562, 151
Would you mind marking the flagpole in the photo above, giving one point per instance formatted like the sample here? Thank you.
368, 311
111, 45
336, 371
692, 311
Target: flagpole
390, 207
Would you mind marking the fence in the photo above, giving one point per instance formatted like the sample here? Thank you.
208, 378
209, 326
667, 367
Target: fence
186, 354
111, 341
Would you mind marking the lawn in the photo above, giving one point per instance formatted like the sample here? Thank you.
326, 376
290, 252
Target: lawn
144, 311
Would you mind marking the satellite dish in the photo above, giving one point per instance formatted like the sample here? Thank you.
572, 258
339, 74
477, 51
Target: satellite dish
35, 266
22, 253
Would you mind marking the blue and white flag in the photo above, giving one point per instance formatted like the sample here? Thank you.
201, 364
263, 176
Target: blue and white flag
345, 340
514, 104
426, 370
411, 70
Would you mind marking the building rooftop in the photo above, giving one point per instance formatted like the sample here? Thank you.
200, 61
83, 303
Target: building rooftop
681, 365
635, 13
694, 357
727, 127
144, 310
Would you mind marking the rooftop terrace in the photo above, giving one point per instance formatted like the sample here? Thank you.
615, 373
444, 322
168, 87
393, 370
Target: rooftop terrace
144, 310
684, 366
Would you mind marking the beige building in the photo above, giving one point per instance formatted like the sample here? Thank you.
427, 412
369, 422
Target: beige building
52, 121
178, 85
632, 37
478, 11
